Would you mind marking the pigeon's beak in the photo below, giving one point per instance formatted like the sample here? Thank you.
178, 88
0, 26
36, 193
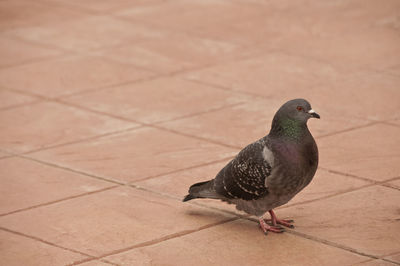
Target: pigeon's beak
314, 114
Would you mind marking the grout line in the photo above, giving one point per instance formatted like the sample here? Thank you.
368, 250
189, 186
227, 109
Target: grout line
157, 240
63, 51
348, 130
129, 129
156, 126
372, 183
346, 174
32, 61
375, 182
155, 76
391, 261
211, 110
221, 87
21, 105
195, 137
45, 241
324, 241
390, 186
111, 180
182, 169
325, 197
58, 200
390, 123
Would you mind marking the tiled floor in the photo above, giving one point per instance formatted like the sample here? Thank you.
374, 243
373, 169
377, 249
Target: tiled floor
109, 110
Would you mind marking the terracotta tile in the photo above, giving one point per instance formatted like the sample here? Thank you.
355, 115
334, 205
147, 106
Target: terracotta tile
268, 74
157, 100
135, 155
21, 13
375, 263
284, 21
11, 99
362, 95
396, 122
110, 220
23, 183
284, 24
95, 263
394, 70
395, 183
365, 220
89, 33
177, 185
367, 95
190, 15
4, 154
68, 75
51, 124
14, 52
355, 50
394, 257
175, 53
236, 243
367, 152
18, 250
244, 123
104, 6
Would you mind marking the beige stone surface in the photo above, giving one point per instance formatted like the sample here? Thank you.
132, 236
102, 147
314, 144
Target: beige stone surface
9, 99
20, 250
370, 152
137, 154
246, 122
110, 110
366, 220
14, 52
26, 183
88, 33
111, 220
23, 13
45, 124
157, 100
224, 245
376, 263
394, 258
395, 183
67, 75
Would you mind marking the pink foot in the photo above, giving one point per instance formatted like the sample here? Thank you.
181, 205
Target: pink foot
275, 221
266, 227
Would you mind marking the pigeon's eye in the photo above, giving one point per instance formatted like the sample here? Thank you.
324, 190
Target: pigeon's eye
299, 108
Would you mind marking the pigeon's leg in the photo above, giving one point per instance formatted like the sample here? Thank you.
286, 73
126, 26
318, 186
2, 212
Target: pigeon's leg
266, 227
275, 221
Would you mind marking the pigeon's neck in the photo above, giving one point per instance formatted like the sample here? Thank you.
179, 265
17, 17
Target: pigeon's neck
288, 128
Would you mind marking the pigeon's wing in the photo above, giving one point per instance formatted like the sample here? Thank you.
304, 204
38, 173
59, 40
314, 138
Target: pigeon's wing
244, 176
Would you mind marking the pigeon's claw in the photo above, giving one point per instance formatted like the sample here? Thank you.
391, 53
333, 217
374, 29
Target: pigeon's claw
275, 221
287, 223
266, 227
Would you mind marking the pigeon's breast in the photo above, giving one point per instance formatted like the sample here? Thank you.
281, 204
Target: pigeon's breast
292, 170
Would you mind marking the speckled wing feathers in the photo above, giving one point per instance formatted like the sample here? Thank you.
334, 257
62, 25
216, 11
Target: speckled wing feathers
244, 176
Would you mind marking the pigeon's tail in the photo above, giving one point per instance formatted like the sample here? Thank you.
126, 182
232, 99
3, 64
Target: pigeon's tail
201, 190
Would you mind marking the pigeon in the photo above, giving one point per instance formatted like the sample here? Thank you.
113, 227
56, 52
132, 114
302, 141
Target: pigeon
270, 171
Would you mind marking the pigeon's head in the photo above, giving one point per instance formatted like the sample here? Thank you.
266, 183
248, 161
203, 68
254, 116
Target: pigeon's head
298, 110
291, 119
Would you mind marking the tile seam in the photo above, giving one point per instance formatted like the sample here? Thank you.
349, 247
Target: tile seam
59, 200
117, 132
107, 179
45, 241
157, 240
